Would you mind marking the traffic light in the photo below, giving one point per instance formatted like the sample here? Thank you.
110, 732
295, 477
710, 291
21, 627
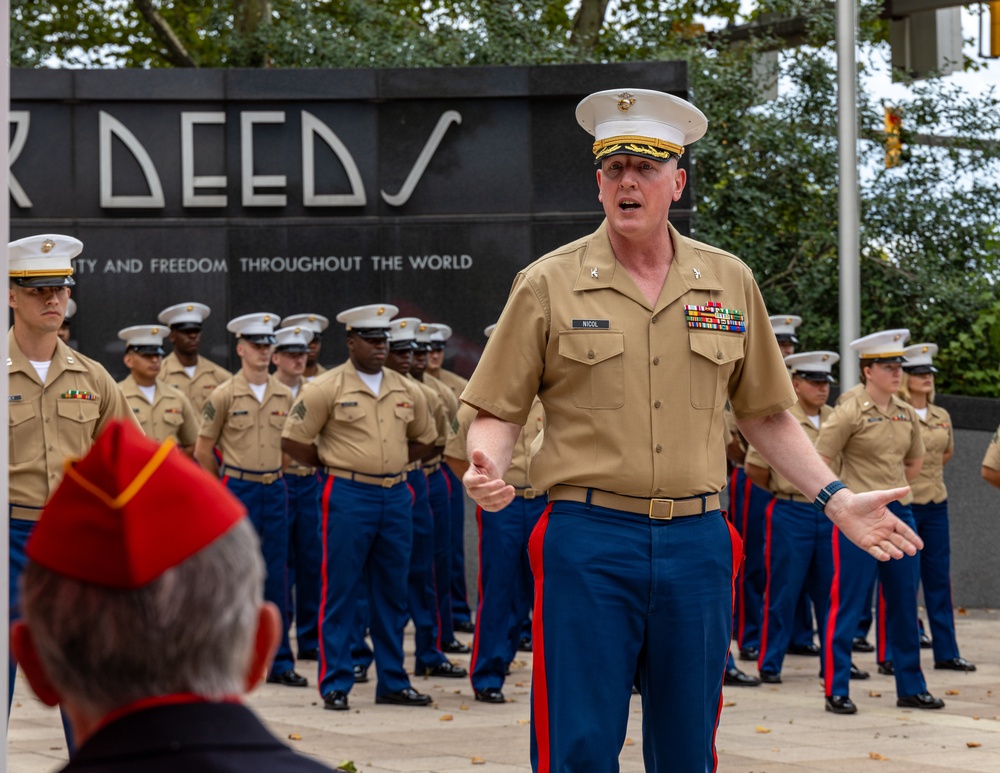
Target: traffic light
893, 138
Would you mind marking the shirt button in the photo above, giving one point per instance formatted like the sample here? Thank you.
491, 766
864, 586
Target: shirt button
656, 404
659, 448
590, 354
654, 319
47, 419
656, 360
718, 355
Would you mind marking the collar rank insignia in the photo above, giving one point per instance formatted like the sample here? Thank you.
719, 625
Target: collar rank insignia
712, 316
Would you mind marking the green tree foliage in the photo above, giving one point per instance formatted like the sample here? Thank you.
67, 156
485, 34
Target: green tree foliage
765, 175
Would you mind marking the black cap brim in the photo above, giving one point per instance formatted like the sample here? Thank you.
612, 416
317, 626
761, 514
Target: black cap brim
259, 338
183, 327
371, 332
43, 281
293, 349
920, 369
815, 375
146, 349
786, 338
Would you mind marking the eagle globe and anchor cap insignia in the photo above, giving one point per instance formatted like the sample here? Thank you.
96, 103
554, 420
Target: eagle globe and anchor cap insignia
625, 101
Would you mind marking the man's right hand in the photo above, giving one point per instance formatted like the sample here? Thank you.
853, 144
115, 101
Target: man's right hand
485, 485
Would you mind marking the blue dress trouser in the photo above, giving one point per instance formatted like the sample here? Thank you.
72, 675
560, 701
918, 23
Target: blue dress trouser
797, 556
422, 600
853, 570
305, 555
748, 503
504, 569
366, 528
935, 576
661, 593
440, 501
267, 509
460, 611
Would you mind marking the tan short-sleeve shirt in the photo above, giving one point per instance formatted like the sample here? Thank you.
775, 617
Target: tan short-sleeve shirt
439, 411
517, 473
776, 482
452, 380
355, 430
54, 421
171, 414
633, 397
936, 432
992, 457
872, 443
198, 388
247, 432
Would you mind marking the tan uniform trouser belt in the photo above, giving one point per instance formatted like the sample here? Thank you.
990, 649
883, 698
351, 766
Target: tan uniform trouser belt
267, 477
528, 493
300, 471
659, 509
25, 512
794, 498
385, 481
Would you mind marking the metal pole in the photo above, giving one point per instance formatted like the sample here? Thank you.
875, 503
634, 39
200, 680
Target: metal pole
4, 388
849, 222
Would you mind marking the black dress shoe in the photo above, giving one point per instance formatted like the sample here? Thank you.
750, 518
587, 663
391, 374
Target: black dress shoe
456, 647
448, 670
860, 644
736, 678
768, 677
467, 626
885, 668
335, 701
360, 674
490, 695
840, 704
955, 664
857, 673
922, 700
925, 641
525, 644
405, 697
749, 653
312, 654
809, 650
289, 679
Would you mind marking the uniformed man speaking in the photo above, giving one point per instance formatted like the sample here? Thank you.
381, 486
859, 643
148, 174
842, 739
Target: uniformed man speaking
633, 338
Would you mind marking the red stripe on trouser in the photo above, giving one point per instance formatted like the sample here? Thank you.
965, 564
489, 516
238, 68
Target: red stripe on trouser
479, 594
539, 687
831, 617
325, 505
768, 514
882, 641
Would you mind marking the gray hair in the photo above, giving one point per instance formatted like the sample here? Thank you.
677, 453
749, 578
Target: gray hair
190, 630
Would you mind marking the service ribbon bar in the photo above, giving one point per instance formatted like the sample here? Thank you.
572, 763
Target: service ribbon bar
78, 394
713, 317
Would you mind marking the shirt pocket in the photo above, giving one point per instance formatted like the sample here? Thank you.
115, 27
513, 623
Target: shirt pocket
348, 413
404, 413
77, 423
173, 419
239, 422
594, 363
25, 435
713, 359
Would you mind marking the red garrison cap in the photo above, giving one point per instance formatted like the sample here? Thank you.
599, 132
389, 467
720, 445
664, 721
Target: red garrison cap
130, 510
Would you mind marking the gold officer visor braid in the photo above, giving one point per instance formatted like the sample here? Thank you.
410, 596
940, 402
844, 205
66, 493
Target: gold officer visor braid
646, 146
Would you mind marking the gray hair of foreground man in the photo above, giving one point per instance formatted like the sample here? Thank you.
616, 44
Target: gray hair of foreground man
191, 629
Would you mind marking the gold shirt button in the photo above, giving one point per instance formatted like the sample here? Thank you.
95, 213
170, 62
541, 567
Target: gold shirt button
590, 354
656, 360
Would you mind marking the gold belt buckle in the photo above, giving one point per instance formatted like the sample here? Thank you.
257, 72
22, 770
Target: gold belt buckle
268, 478
529, 493
658, 517
389, 482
